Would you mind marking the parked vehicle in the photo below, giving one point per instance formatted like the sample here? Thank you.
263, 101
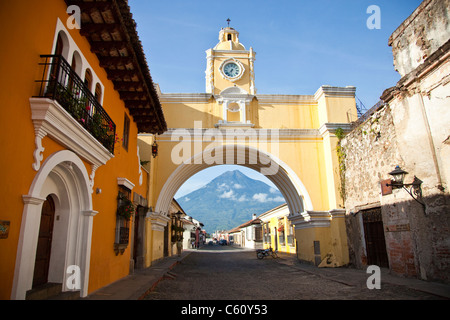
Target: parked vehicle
223, 242
261, 253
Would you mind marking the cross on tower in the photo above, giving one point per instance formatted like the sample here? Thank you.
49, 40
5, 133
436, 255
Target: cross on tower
228, 20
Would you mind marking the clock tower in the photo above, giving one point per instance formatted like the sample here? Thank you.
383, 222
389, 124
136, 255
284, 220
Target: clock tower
230, 76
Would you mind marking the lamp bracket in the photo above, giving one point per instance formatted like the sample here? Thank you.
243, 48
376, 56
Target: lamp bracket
415, 189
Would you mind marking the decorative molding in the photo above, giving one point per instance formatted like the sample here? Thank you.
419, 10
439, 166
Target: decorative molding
125, 182
90, 213
224, 125
316, 219
286, 99
38, 152
311, 219
330, 128
94, 168
226, 54
241, 69
222, 129
158, 220
64, 175
49, 118
27, 199
185, 97
139, 166
337, 213
329, 91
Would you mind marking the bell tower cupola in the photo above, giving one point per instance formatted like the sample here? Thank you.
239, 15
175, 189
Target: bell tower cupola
230, 77
230, 64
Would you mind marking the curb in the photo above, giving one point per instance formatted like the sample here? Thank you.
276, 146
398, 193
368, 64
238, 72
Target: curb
166, 276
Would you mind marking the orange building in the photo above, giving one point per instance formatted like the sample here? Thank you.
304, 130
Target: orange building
73, 102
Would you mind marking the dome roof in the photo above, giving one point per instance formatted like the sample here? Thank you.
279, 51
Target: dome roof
229, 40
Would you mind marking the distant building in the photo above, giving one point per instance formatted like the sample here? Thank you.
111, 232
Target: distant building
277, 231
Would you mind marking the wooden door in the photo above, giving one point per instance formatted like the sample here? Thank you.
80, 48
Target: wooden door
44, 243
166, 241
374, 236
276, 238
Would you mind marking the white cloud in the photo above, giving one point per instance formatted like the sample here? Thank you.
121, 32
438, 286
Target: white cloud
280, 199
222, 187
272, 190
187, 199
238, 186
242, 198
228, 195
261, 197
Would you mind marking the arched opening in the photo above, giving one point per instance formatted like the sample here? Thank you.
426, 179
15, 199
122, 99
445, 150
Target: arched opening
62, 45
88, 79
63, 178
98, 93
225, 196
76, 63
279, 173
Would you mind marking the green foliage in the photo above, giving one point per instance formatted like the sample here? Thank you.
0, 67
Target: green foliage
126, 208
339, 133
341, 159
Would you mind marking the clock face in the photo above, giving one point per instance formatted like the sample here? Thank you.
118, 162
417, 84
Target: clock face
231, 69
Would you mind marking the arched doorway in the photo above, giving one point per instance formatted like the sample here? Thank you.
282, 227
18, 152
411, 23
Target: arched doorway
63, 178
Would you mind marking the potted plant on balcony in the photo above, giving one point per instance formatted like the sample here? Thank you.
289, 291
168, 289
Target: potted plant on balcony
126, 208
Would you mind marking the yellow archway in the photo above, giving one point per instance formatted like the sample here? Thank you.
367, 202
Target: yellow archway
293, 190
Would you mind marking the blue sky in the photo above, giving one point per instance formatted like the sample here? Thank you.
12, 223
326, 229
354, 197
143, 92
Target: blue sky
300, 44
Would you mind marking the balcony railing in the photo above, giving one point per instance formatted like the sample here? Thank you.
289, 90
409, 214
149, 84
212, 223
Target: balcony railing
60, 83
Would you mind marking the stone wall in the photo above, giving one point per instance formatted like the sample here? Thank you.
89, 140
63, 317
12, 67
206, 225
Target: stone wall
371, 151
416, 238
413, 131
420, 35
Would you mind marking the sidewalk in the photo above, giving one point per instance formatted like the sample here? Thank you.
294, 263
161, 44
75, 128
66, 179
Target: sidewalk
358, 278
135, 286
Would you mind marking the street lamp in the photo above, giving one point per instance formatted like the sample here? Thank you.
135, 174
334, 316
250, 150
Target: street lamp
415, 188
154, 148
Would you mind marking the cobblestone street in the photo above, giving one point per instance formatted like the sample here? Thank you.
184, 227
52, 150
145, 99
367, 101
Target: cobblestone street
226, 273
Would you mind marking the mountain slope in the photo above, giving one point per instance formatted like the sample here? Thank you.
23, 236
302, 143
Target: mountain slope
230, 200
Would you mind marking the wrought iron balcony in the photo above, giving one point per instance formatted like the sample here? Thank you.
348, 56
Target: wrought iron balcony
60, 83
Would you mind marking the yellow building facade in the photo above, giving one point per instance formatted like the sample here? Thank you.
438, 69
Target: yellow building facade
70, 168
288, 138
278, 232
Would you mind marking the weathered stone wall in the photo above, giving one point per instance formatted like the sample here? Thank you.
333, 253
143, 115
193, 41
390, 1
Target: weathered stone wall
371, 151
420, 35
412, 131
417, 240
